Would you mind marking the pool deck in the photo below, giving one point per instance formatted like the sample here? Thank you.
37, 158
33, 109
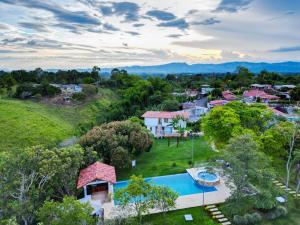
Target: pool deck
186, 201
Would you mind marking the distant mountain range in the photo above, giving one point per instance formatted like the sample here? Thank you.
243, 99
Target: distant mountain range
176, 68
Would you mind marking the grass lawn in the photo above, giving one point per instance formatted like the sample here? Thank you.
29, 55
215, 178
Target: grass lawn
163, 160
24, 123
177, 218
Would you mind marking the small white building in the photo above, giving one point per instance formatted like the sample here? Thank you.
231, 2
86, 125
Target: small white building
97, 183
160, 123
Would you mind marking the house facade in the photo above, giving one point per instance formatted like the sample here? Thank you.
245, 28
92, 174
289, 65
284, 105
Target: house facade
160, 123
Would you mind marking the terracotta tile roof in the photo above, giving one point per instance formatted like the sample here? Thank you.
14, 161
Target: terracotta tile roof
277, 112
218, 102
228, 96
258, 93
96, 171
167, 115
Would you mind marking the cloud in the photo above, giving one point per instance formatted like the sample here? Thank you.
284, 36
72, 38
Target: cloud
287, 49
206, 22
133, 33
4, 26
175, 35
232, 6
129, 10
33, 26
80, 17
110, 27
138, 24
179, 23
12, 40
161, 15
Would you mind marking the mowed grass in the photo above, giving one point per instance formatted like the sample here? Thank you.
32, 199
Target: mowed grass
177, 217
25, 123
164, 160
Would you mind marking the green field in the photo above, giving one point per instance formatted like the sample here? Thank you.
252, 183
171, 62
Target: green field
200, 217
163, 160
27, 123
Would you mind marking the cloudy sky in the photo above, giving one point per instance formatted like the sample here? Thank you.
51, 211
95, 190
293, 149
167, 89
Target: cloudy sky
84, 33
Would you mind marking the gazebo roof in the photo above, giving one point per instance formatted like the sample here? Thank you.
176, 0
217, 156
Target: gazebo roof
96, 171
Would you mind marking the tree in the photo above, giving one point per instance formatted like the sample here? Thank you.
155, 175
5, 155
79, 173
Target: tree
30, 175
220, 123
107, 138
164, 198
291, 134
250, 173
295, 94
136, 196
169, 105
68, 212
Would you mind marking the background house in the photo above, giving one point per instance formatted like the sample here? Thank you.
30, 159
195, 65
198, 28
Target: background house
160, 123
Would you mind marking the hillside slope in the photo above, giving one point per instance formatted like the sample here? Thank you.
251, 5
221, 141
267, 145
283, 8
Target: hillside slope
24, 123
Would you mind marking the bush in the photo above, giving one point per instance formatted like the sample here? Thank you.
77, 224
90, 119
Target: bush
239, 220
256, 218
281, 211
277, 212
89, 89
247, 219
174, 164
78, 96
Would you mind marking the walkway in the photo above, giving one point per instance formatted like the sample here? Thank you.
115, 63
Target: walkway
282, 186
217, 215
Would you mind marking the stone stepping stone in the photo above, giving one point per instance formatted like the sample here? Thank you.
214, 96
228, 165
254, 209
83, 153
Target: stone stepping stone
275, 181
210, 206
223, 220
216, 213
279, 184
213, 209
226, 223
219, 216
292, 192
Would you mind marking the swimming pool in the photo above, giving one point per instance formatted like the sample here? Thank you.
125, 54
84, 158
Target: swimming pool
182, 183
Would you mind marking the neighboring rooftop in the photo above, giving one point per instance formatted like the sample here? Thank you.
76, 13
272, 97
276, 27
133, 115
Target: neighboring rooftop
166, 115
96, 171
227, 95
259, 94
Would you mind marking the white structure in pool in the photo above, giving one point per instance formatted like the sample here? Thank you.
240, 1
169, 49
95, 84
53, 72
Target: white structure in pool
160, 123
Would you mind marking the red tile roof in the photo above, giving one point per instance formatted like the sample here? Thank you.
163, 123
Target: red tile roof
228, 96
258, 93
218, 102
277, 112
96, 171
167, 115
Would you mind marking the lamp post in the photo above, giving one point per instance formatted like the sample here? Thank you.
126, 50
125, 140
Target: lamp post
191, 134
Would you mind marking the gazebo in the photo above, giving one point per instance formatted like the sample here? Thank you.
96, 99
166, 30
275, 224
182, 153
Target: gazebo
97, 178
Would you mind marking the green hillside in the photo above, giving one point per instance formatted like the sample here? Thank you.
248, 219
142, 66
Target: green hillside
24, 123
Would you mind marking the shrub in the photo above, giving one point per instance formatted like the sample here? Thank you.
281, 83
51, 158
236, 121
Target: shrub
277, 212
239, 220
281, 211
190, 162
255, 218
78, 96
248, 218
174, 164
89, 89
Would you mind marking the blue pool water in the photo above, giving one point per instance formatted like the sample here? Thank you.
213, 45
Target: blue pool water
182, 183
207, 176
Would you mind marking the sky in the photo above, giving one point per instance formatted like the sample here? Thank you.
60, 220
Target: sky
66, 34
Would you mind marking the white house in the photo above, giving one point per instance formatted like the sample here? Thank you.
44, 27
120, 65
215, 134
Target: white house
160, 123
